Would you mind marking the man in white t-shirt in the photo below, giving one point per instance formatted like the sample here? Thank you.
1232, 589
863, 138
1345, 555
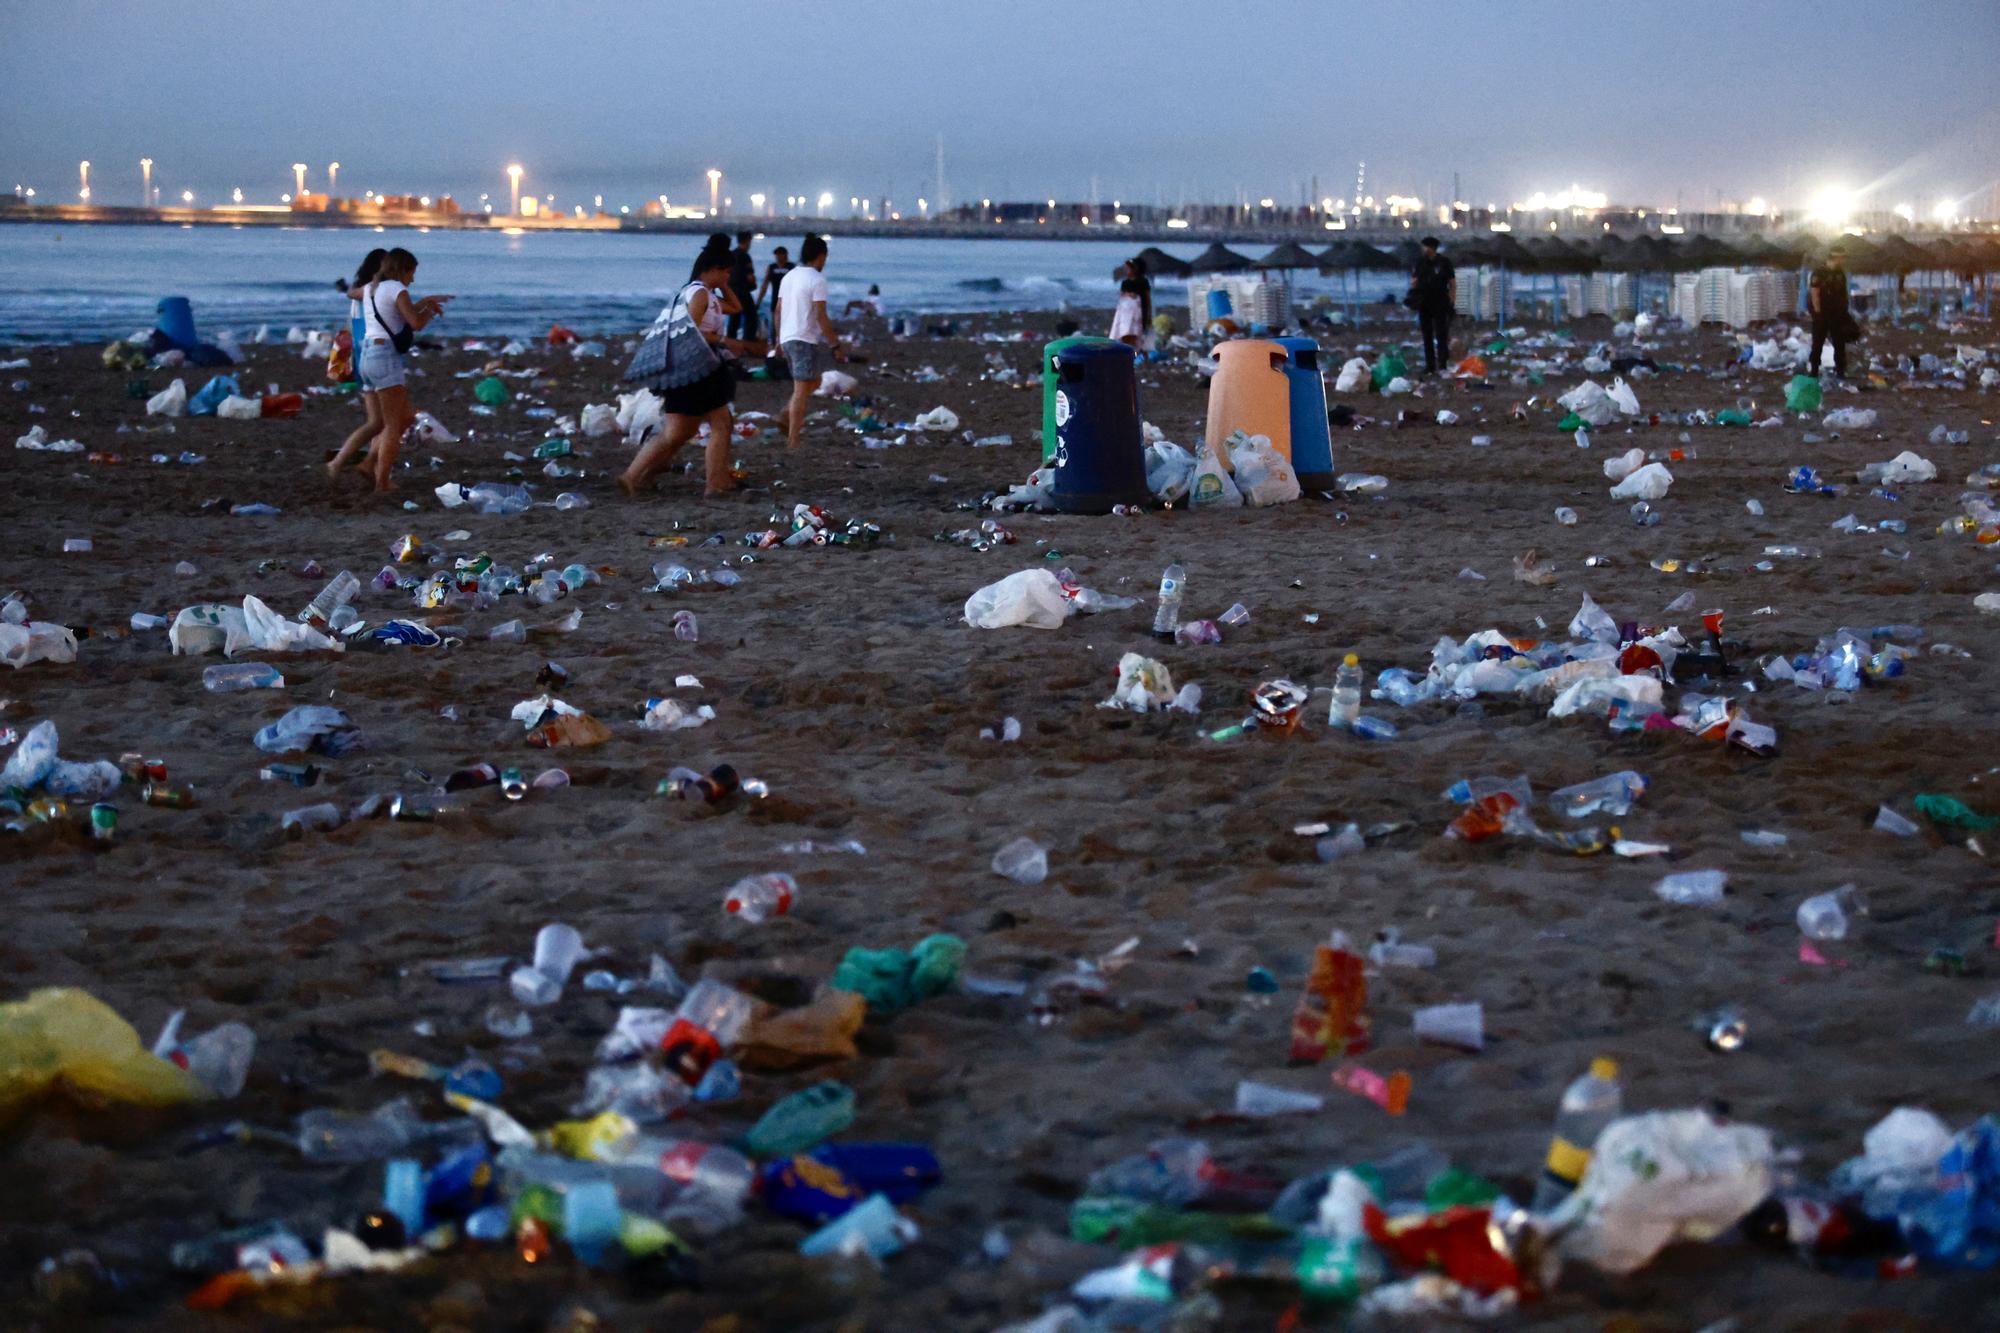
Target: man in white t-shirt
805, 332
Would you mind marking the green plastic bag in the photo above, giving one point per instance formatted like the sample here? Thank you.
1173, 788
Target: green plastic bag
1732, 417
1497, 346
1570, 423
491, 391
891, 980
1802, 394
1950, 812
1388, 366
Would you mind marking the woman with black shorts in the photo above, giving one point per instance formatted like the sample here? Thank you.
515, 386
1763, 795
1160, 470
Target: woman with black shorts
708, 399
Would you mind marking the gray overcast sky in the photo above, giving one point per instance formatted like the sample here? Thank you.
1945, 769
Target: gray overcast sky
1648, 101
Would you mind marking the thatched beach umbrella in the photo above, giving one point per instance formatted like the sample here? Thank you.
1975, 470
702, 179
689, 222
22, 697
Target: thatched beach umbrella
1160, 264
1290, 255
1698, 252
1555, 255
1218, 258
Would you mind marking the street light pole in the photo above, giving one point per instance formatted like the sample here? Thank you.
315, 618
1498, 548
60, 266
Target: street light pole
714, 184
332, 179
83, 175
145, 182
514, 188
298, 180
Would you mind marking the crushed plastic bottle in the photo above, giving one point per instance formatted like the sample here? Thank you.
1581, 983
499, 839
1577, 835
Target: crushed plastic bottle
242, 676
1693, 888
758, 898
1612, 794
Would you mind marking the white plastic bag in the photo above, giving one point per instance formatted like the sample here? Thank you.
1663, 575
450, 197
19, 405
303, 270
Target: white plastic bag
238, 408
1353, 377
938, 418
209, 627
1210, 487
1661, 1177
1169, 469
1623, 398
430, 430
1262, 474
1850, 418
1032, 598
318, 346
267, 631
836, 384
36, 641
1143, 685
1623, 466
599, 419
1397, 387
639, 414
1647, 483
171, 401
1908, 466
1030, 494
1589, 401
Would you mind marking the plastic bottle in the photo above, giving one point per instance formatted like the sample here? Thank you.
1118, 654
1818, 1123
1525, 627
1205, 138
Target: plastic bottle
325, 815
1611, 794
1593, 1101
1566, 516
338, 592
1167, 618
242, 676
1265, 1099
708, 1021
1346, 706
686, 628
683, 1175
758, 898
1824, 915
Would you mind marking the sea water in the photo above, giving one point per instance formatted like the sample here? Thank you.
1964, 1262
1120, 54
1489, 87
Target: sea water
74, 283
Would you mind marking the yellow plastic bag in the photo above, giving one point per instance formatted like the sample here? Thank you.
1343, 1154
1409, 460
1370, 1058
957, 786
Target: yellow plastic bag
69, 1041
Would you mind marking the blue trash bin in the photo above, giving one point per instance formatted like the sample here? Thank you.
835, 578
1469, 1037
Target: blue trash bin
1100, 460
1312, 441
177, 322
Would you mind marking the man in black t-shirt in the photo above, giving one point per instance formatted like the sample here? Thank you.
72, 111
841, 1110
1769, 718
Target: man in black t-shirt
743, 286
1826, 301
774, 273
1434, 296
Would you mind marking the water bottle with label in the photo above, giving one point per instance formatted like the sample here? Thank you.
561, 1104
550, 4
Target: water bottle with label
1168, 617
338, 592
1593, 1101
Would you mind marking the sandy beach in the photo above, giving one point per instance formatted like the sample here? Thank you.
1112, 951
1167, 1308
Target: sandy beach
847, 681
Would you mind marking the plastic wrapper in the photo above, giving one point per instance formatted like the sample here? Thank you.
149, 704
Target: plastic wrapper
68, 1042
1262, 474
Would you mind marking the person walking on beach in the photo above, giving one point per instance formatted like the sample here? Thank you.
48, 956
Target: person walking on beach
806, 333
1826, 301
1127, 324
743, 286
356, 333
1135, 269
707, 400
389, 324
1434, 296
774, 273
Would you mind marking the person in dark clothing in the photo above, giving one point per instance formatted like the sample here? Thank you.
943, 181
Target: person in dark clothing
743, 286
1826, 301
774, 273
1434, 295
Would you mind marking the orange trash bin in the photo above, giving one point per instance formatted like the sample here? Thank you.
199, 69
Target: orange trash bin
1250, 393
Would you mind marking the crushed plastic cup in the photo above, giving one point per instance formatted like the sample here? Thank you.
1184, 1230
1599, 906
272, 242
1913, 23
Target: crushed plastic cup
1459, 1025
1888, 821
1023, 860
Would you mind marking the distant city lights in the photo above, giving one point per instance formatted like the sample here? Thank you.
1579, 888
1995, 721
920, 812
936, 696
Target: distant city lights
1574, 197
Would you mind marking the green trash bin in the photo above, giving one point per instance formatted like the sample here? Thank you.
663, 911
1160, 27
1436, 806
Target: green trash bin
1049, 388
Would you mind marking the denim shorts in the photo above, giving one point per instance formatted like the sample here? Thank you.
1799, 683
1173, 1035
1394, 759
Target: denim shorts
808, 360
381, 367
